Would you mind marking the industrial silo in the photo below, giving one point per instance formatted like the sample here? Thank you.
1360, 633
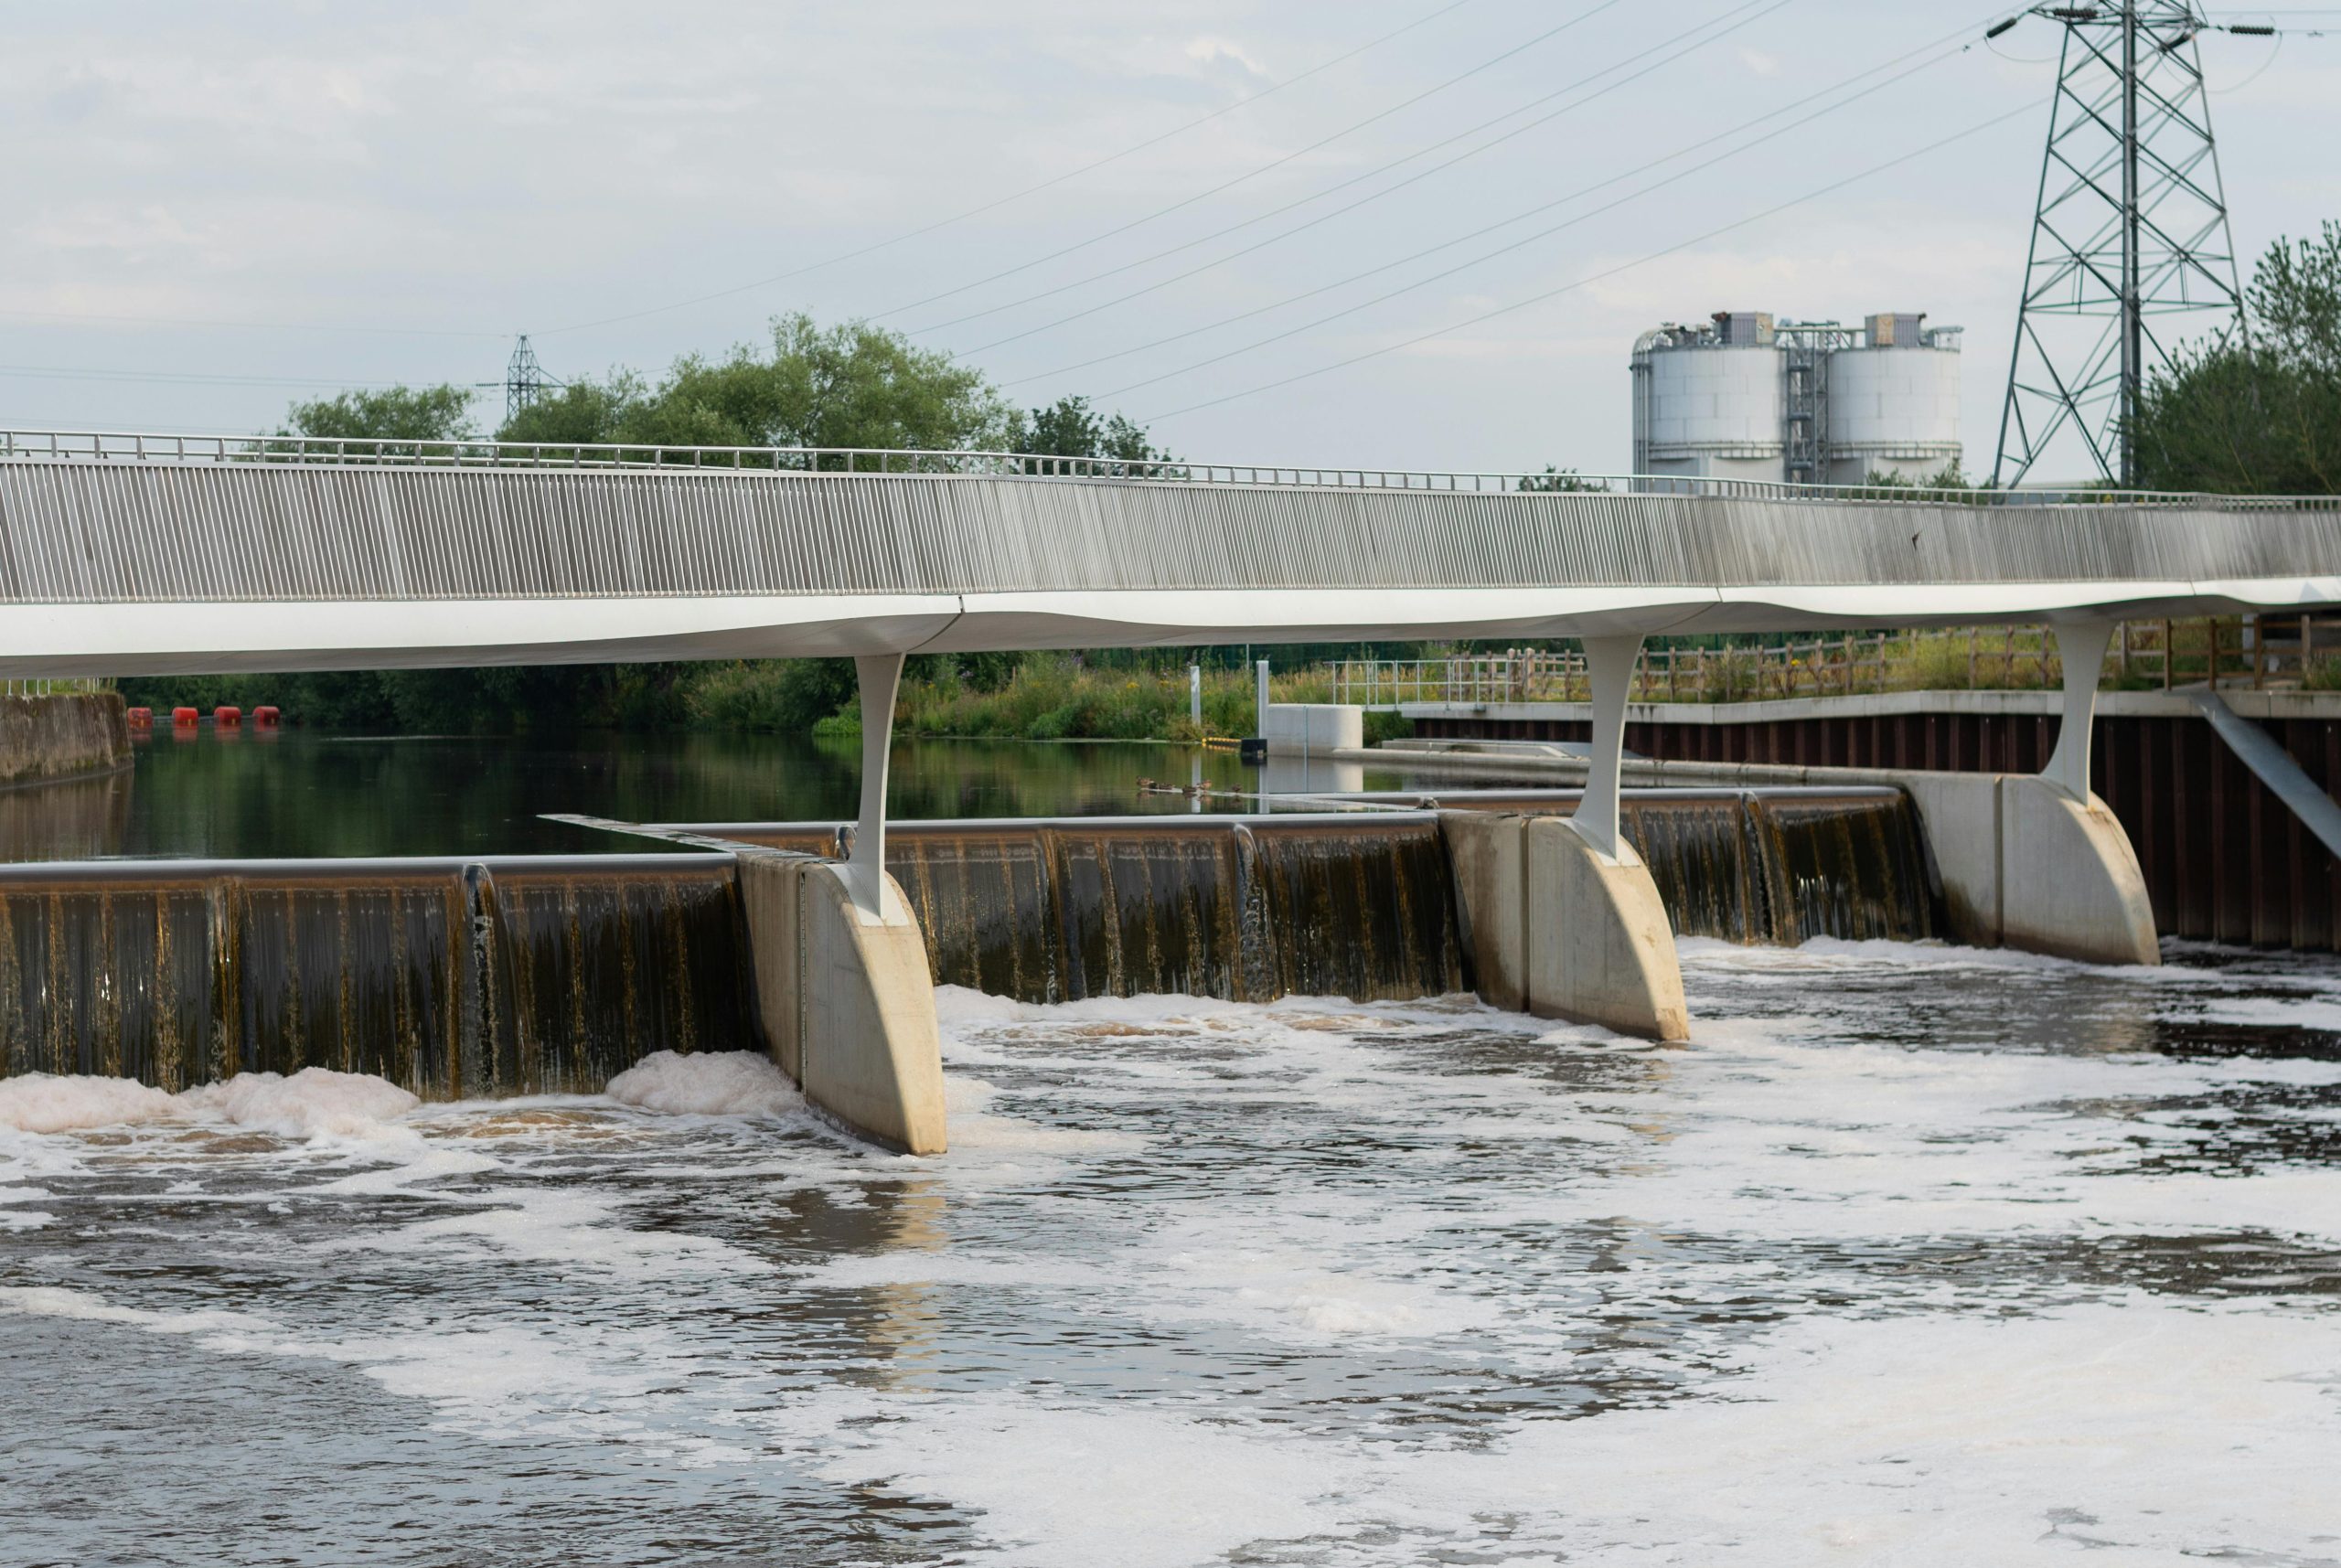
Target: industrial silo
1892, 402
1707, 400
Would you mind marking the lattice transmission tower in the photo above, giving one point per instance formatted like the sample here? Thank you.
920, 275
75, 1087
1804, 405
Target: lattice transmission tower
524, 379
2128, 233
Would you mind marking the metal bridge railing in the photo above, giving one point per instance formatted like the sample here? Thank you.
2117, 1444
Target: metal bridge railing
2254, 651
102, 446
52, 685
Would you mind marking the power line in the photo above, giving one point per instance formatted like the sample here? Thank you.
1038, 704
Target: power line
1489, 315
1936, 58
242, 325
1049, 184
173, 378
1224, 186
1743, 21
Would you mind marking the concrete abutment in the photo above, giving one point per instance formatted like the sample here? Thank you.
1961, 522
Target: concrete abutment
845, 999
2023, 864
1559, 929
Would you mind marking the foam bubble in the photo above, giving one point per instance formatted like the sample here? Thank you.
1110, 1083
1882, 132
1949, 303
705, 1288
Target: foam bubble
315, 1102
49, 1102
706, 1084
1071, 1489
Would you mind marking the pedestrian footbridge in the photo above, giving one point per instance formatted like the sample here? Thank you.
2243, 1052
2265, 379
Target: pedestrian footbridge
157, 554
130, 554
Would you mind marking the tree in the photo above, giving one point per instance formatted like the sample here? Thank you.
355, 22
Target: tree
582, 413
1560, 479
391, 413
852, 384
2258, 412
1070, 428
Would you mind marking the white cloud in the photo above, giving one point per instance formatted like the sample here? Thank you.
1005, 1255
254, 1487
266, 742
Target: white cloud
480, 166
1212, 50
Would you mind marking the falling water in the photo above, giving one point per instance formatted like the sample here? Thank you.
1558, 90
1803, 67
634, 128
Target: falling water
538, 975
1356, 905
447, 977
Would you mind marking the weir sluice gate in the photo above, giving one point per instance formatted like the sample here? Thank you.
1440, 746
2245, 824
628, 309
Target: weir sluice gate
517, 975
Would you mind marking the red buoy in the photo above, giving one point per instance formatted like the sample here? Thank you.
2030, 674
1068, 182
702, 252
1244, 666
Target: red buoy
142, 718
184, 718
265, 717
227, 717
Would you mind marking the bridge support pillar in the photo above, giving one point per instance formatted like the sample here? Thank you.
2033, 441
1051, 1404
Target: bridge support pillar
1564, 919
2070, 883
880, 677
841, 980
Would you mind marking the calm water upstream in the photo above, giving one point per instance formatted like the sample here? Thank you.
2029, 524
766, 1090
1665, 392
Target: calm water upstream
1914, 1255
298, 793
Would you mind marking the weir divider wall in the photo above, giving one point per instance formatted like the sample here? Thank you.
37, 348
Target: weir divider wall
1558, 928
846, 1000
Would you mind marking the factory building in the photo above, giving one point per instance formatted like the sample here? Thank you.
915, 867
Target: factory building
1745, 396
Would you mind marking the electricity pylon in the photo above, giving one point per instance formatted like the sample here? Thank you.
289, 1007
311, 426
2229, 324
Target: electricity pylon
2129, 232
524, 378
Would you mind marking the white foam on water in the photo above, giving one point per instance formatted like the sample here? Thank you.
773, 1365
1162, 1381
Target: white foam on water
422, 1161
562, 1229
312, 1102
51, 1103
706, 1084
505, 1381
55, 1301
1288, 1294
2314, 1012
315, 1102
1061, 1487
1768, 1135
2153, 1433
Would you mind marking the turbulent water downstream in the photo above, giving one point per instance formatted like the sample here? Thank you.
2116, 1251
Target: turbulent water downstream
1915, 1255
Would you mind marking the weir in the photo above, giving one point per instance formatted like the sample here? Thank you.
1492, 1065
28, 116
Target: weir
517, 974
451, 978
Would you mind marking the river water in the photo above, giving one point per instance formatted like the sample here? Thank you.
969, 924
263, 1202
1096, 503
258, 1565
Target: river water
1913, 1255
299, 792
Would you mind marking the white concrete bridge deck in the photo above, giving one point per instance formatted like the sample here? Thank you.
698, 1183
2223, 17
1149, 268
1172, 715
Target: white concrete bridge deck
132, 554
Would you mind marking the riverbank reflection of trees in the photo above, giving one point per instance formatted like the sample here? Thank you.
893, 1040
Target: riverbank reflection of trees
302, 792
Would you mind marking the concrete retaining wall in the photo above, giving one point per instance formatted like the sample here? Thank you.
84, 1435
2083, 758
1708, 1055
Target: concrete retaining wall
44, 738
2225, 859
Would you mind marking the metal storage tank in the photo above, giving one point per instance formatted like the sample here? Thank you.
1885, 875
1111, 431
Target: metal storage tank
1893, 402
1707, 400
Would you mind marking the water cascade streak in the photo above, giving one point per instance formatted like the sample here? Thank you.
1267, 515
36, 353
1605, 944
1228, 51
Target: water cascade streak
1351, 904
451, 978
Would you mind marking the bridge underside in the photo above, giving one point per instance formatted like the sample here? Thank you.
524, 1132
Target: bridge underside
157, 638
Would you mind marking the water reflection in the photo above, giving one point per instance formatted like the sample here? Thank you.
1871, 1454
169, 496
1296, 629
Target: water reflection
298, 793
70, 819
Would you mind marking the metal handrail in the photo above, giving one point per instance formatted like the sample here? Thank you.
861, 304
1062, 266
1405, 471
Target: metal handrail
346, 451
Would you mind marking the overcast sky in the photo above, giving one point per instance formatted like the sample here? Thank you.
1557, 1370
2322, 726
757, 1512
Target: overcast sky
370, 193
